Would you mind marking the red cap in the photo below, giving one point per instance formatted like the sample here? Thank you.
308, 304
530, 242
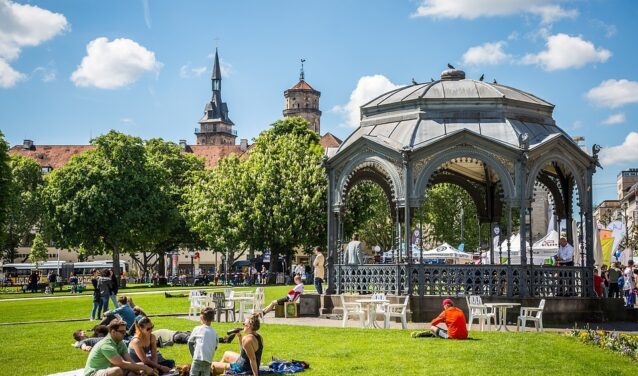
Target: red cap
448, 302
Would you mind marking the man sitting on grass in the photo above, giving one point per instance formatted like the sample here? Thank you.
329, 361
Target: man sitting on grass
109, 357
454, 319
291, 297
124, 311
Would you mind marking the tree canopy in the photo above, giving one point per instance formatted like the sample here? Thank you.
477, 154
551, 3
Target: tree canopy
5, 182
24, 209
110, 196
287, 202
39, 251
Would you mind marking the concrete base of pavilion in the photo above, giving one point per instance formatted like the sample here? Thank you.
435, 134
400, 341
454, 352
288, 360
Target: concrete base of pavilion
559, 311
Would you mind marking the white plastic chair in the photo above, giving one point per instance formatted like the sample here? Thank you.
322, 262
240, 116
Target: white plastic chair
196, 303
397, 310
534, 314
477, 310
352, 309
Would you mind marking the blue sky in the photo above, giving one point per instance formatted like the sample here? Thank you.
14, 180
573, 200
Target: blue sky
70, 70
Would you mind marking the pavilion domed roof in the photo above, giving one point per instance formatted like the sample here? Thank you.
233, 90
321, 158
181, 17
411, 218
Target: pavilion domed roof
454, 87
416, 115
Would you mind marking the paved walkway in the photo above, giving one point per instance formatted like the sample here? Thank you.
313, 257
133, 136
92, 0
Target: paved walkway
626, 327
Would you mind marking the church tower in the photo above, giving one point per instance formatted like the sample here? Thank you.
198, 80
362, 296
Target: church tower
215, 128
303, 101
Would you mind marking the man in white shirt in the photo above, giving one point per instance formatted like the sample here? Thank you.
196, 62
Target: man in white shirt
565, 256
353, 253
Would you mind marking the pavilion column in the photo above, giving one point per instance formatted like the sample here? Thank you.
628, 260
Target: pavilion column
407, 188
589, 228
332, 234
522, 184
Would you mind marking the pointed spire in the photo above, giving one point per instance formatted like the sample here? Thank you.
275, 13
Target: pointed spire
217, 74
301, 74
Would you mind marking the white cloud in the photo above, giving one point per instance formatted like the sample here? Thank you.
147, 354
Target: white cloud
486, 54
185, 71
622, 153
46, 74
614, 93
147, 14
547, 10
24, 26
618, 118
9, 77
128, 121
564, 51
368, 88
609, 29
111, 65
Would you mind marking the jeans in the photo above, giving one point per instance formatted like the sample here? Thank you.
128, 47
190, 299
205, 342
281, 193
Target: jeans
96, 312
318, 282
614, 290
105, 303
114, 300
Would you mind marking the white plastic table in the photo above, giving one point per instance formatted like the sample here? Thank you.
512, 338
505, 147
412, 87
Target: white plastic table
371, 305
242, 304
501, 317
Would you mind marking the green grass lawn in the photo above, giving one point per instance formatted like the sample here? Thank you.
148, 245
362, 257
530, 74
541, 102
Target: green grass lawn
80, 307
38, 349
137, 287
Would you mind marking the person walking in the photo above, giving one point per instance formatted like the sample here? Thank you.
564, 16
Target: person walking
96, 312
114, 289
104, 287
319, 272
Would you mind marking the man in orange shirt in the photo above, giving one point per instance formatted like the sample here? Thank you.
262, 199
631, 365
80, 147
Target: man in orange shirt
454, 319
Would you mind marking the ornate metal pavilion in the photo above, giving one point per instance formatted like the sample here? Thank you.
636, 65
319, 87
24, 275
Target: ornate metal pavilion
496, 142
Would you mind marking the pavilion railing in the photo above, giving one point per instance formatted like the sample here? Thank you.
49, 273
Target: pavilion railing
455, 280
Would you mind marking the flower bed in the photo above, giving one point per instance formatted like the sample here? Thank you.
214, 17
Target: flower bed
621, 343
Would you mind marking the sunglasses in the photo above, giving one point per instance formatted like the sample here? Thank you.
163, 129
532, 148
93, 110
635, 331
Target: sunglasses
150, 328
121, 331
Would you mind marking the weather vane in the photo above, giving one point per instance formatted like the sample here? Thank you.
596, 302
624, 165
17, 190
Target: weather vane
301, 75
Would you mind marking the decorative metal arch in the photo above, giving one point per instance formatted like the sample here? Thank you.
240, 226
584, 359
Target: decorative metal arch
375, 163
555, 157
505, 178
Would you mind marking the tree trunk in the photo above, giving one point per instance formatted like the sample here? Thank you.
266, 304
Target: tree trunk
116, 262
161, 260
274, 261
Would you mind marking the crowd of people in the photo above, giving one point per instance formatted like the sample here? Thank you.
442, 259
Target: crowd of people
126, 342
617, 281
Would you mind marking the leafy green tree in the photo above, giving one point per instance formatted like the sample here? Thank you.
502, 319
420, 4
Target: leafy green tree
24, 209
5, 183
286, 206
368, 213
178, 169
442, 213
215, 207
110, 196
39, 252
